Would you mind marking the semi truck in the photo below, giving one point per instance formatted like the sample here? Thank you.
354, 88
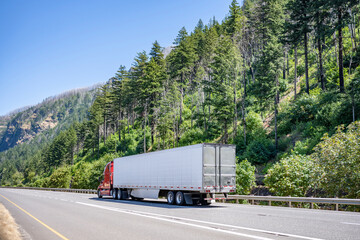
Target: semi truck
184, 175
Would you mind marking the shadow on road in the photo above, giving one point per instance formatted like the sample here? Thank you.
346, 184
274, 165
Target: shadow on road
161, 203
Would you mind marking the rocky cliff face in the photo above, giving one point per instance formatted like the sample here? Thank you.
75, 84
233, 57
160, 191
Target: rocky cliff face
52, 113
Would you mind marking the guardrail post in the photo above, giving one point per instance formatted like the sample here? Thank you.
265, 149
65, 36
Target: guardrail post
237, 201
252, 201
311, 205
289, 204
269, 203
337, 207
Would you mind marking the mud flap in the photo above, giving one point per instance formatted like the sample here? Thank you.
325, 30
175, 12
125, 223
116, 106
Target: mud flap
188, 198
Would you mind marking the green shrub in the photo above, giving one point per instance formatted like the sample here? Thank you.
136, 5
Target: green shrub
339, 158
259, 151
293, 176
245, 177
60, 178
192, 136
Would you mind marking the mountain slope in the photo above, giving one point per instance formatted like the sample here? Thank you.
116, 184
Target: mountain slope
48, 117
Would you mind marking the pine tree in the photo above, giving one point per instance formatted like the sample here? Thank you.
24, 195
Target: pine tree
340, 10
271, 60
233, 22
154, 77
221, 87
321, 20
298, 29
182, 60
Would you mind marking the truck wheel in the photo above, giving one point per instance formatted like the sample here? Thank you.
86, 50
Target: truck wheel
114, 194
171, 198
120, 195
180, 199
99, 194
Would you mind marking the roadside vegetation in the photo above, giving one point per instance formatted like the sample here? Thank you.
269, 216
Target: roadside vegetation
9, 229
284, 88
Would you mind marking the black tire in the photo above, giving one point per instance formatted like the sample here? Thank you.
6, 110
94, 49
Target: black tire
99, 194
180, 198
170, 198
120, 195
114, 194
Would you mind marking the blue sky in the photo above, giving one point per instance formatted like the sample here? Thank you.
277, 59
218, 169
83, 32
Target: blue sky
48, 47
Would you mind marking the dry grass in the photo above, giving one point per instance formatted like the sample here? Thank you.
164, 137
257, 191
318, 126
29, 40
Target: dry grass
8, 227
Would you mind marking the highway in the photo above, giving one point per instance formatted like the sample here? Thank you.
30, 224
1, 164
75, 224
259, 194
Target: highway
60, 215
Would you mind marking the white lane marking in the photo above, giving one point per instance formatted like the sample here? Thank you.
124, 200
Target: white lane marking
148, 215
349, 223
303, 210
165, 218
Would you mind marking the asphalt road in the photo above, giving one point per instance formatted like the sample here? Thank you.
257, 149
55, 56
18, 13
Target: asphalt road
59, 215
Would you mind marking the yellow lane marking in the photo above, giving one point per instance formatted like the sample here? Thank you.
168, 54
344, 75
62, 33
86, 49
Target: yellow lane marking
61, 236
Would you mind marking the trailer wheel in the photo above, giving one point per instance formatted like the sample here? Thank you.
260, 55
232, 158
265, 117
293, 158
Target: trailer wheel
180, 199
119, 194
171, 198
99, 194
115, 194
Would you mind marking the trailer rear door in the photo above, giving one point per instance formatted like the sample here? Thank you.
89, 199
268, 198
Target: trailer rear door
219, 167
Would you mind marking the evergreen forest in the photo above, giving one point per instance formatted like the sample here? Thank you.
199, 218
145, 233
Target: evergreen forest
280, 79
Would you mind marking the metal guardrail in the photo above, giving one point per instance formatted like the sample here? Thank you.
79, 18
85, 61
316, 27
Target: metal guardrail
87, 191
251, 198
290, 200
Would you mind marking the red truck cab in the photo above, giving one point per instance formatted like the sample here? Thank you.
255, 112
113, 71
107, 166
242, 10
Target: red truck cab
106, 185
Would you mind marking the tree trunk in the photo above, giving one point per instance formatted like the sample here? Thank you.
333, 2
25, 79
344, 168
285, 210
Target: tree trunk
306, 64
128, 126
341, 68
98, 142
352, 30
322, 79
337, 59
284, 67
119, 128
176, 140
104, 128
145, 129
276, 112
252, 75
295, 71
353, 102
181, 97
287, 63
243, 108
235, 106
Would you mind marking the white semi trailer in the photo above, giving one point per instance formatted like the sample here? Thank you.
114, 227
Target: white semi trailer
184, 175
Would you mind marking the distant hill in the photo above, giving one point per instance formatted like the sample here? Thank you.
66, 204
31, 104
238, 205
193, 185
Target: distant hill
49, 117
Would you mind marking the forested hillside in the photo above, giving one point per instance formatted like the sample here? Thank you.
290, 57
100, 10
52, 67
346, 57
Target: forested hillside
272, 78
27, 132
